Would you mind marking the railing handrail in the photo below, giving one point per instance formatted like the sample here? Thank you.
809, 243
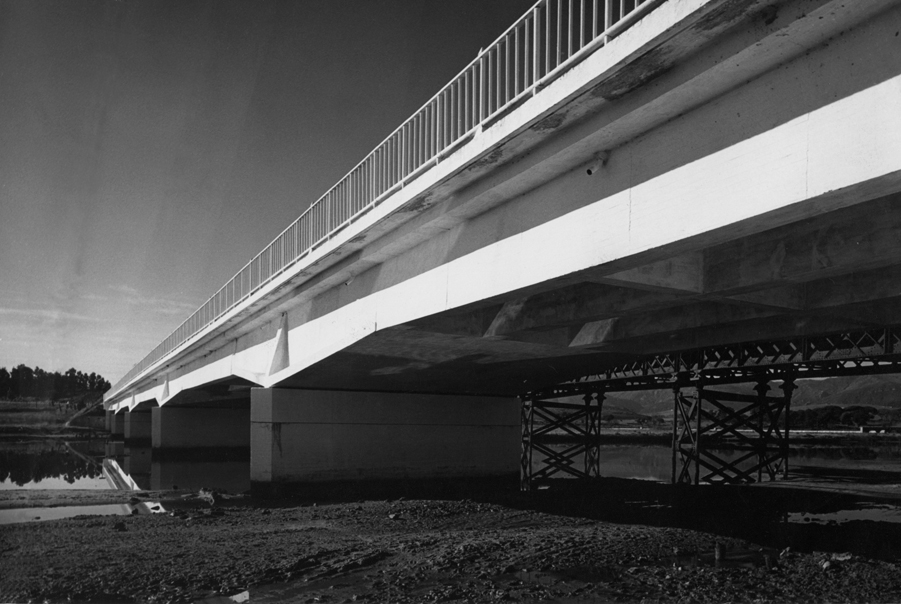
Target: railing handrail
438, 125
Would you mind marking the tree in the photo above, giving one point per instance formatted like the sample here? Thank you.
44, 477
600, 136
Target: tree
23, 381
5, 382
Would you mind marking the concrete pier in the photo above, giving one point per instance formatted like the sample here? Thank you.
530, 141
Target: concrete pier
115, 424
200, 427
138, 426
317, 436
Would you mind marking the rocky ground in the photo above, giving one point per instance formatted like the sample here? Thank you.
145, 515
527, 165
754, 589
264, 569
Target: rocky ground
565, 546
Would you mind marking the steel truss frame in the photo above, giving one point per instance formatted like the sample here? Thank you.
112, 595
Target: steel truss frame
861, 352
759, 426
547, 422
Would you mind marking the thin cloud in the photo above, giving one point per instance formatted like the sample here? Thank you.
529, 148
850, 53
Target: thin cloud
47, 313
165, 306
125, 289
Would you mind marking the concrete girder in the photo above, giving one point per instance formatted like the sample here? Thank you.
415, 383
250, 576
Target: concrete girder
859, 299
864, 286
579, 304
662, 323
839, 243
786, 297
721, 324
568, 306
775, 328
682, 274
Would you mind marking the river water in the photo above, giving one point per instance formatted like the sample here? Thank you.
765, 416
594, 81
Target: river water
80, 465
103, 465
868, 460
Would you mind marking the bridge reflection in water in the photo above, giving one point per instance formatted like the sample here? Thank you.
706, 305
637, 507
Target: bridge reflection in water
222, 469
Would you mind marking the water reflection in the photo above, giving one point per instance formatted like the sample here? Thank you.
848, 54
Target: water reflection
104, 465
866, 511
17, 515
146, 469
51, 465
55, 513
844, 461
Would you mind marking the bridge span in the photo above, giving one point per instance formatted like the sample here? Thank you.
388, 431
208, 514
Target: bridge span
667, 193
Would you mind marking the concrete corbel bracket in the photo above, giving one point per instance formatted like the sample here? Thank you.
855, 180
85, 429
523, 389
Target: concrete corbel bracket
164, 395
281, 357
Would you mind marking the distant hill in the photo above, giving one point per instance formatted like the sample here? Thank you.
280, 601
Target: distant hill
870, 390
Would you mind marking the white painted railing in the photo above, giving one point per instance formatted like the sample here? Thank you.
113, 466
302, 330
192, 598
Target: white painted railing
545, 41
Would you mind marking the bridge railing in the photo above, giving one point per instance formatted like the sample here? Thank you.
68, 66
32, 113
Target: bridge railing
550, 37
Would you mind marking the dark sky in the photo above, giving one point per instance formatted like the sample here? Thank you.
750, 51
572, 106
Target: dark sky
149, 149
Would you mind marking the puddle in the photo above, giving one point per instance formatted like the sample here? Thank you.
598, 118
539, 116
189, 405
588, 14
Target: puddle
17, 515
648, 505
871, 512
90, 483
55, 513
244, 596
30, 514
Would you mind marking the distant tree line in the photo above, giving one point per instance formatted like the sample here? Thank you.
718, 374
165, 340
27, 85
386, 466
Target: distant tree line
24, 382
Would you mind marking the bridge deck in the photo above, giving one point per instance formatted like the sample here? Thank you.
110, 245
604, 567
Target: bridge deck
745, 177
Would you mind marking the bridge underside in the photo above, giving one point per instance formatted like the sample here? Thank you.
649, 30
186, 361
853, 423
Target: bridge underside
837, 272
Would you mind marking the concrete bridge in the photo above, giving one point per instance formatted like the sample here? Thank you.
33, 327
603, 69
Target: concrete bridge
611, 183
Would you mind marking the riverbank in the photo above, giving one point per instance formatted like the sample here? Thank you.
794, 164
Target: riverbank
620, 540
44, 419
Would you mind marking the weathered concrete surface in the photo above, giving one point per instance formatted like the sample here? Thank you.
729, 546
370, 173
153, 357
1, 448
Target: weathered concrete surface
312, 436
207, 427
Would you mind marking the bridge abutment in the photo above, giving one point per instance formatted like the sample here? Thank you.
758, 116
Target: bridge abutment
315, 437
